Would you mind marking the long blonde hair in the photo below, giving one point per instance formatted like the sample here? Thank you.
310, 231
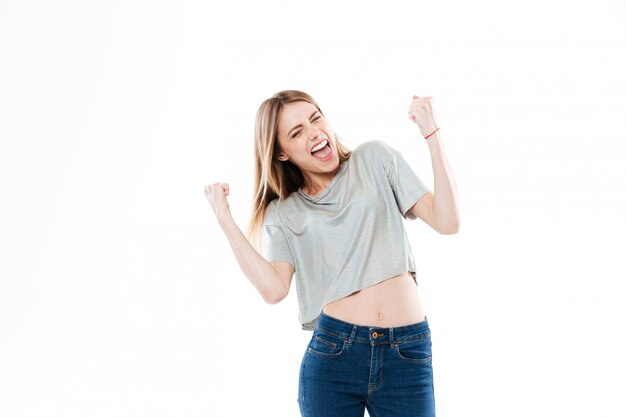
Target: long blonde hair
274, 178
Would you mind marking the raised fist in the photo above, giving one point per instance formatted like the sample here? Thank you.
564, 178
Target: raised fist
216, 194
421, 112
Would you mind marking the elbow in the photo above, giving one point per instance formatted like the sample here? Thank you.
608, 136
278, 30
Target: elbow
273, 298
275, 290
450, 229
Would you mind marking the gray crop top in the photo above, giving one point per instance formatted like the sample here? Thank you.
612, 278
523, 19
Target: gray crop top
350, 236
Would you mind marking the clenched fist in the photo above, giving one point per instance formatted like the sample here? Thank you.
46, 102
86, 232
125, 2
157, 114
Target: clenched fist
216, 194
421, 112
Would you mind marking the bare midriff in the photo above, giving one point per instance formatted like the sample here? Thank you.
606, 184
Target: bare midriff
393, 302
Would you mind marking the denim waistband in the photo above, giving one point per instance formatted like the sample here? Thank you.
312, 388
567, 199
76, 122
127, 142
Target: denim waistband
373, 334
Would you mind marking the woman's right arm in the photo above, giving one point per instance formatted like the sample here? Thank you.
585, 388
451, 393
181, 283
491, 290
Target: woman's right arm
272, 285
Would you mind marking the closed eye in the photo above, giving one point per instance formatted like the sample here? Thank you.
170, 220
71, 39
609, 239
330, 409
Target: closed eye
299, 131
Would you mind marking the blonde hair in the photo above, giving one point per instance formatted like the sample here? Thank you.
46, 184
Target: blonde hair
274, 178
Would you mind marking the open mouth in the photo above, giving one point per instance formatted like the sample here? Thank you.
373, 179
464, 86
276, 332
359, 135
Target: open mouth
322, 151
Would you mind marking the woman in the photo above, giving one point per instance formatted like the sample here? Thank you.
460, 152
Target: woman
333, 217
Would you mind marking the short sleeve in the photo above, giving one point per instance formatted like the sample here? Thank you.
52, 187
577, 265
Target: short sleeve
407, 187
274, 244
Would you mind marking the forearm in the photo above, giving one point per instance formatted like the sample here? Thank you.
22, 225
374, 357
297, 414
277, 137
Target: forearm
258, 270
445, 201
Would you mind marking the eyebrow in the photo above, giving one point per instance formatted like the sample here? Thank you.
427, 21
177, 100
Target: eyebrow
300, 125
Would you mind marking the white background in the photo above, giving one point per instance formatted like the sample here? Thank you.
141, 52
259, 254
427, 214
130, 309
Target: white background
119, 292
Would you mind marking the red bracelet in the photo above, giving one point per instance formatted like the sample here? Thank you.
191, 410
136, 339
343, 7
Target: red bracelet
426, 137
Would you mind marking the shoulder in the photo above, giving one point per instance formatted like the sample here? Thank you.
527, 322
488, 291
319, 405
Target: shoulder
276, 210
368, 146
271, 216
375, 150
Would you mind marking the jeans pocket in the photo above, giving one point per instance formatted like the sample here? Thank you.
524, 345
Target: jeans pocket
415, 351
326, 344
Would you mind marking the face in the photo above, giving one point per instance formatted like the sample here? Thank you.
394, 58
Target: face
301, 127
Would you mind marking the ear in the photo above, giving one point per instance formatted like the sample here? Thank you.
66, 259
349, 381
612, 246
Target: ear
282, 157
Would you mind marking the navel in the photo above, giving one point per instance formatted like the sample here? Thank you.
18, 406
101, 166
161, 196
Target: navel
380, 315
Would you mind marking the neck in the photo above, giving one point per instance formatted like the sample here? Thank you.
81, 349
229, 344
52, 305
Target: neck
316, 183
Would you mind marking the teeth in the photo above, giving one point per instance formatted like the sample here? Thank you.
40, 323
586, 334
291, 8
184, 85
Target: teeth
320, 146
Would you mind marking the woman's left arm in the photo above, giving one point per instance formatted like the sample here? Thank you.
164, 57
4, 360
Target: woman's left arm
441, 209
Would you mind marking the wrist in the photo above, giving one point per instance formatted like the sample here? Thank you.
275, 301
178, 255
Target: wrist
427, 134
223, 214
435, 144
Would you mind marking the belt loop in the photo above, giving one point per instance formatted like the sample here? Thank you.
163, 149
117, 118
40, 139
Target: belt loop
391, 337
352, 334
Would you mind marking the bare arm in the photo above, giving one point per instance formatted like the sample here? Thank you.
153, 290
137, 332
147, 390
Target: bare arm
271, 279
439, 210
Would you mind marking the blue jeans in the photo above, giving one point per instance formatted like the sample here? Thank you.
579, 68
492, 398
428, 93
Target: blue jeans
347, 368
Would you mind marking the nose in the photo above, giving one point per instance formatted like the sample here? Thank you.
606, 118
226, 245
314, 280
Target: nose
315, 133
